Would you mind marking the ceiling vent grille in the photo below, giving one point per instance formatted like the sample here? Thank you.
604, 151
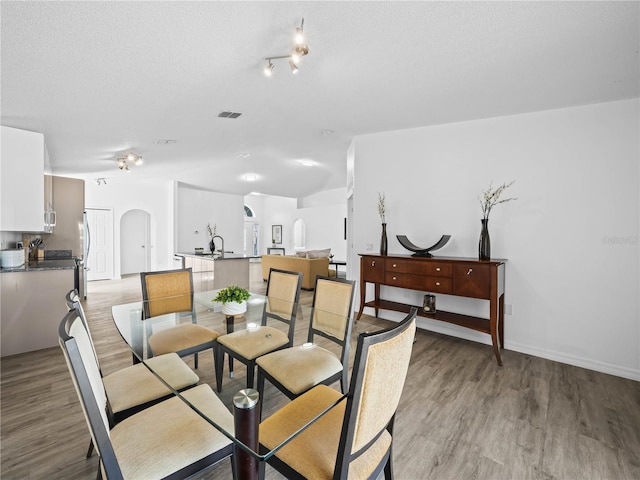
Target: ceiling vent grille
229, 114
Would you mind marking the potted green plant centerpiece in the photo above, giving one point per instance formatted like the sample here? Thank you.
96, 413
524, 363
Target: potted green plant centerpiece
233, 299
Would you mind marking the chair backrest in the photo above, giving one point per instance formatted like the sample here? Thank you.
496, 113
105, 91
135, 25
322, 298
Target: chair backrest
73, 303
76, 346
332, 317
283, 295
379, 372
167, 291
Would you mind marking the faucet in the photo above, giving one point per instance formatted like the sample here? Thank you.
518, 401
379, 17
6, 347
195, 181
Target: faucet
213, 241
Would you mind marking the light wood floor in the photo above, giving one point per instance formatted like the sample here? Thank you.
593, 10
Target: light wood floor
461, 416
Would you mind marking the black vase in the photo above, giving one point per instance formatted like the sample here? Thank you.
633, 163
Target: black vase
383, 240
212, 246
484, 245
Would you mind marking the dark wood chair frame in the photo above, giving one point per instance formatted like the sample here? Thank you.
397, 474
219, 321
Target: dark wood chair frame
344, 345
99, 433
345, 455
114, 417
251, 363
145, 311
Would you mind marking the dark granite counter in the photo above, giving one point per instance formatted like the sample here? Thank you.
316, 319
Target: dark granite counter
35, 265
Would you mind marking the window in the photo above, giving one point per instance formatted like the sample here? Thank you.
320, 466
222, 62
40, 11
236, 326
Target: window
248, 213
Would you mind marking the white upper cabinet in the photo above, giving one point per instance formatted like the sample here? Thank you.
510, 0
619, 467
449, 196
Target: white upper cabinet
21, 181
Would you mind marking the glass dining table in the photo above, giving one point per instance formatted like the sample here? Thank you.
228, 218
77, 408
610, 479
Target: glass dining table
135, 327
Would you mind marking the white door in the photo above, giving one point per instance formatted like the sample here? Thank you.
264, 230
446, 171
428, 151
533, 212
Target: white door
251, 232
134, 242
99, 261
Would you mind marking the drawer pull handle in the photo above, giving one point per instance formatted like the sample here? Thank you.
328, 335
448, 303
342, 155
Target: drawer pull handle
373, 264
437, 284
394, 278
470, 270
394, 265
437, 269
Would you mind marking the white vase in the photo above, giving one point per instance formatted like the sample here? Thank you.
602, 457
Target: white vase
234, 308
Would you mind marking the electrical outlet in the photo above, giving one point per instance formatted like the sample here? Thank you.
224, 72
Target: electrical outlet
508, 309
369, 247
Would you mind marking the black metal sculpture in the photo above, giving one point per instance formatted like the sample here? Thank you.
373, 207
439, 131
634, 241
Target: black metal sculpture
422, 252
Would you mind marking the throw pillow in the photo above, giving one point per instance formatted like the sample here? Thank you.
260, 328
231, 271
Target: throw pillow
319, 253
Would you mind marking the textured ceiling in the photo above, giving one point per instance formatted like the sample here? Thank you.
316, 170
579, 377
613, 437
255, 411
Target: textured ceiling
100, 78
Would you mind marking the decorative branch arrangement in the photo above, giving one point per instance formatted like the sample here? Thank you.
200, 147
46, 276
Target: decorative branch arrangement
491, 197
381, 207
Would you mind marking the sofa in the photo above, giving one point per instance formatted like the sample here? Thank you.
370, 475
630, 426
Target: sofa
310, 267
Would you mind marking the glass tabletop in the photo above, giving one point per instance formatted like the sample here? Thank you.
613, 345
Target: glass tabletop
136, 321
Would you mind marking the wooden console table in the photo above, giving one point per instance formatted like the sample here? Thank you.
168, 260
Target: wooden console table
462, 277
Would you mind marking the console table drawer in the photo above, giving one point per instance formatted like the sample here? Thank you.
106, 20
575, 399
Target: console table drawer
418, 282
472, 281
417, 267
372, 269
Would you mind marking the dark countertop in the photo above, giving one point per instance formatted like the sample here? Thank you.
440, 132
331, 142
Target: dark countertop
35, 265
227, 256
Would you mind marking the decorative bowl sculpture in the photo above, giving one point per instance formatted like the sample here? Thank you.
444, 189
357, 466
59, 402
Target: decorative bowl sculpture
422, 252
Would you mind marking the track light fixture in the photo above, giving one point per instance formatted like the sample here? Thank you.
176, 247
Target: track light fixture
128, 160
299, 50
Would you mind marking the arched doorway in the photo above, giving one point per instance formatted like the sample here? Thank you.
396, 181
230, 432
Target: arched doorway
135, 251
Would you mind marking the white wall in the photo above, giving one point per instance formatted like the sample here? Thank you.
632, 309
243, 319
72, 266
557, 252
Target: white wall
124, 193
322, 213
571, 238
196, 208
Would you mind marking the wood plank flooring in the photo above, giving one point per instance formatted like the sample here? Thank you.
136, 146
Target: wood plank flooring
461, 416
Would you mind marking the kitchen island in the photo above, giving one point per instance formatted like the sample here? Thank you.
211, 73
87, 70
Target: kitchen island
211, 272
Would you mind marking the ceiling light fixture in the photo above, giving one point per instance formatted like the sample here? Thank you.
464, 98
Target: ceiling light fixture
268, 70
101, 181
300, 49
128, 160
250, 177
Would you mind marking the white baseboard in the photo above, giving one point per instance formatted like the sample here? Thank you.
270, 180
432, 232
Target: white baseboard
595, 365
471, 335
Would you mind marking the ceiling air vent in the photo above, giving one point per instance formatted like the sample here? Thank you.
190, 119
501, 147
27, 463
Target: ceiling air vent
229, 114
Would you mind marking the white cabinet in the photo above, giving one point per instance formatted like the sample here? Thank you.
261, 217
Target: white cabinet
21, 181
202, 270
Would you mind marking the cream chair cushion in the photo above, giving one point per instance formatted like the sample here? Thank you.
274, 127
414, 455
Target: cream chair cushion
313, 452
181, 337
145, 447
251, 344
298, 368
136, 385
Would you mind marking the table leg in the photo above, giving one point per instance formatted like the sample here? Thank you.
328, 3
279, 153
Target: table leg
246, 417
230, 328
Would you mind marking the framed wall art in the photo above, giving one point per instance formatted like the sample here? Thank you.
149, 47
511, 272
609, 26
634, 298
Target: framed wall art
276, 234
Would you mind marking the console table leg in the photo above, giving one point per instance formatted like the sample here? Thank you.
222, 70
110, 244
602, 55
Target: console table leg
493, 325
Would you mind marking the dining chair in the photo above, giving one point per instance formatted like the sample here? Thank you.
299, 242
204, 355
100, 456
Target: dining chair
296, 369
171, 291
168, 439
283, 295
134, 388
354, 437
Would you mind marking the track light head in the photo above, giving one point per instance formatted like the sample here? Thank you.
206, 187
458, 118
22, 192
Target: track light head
294, 67
268, 70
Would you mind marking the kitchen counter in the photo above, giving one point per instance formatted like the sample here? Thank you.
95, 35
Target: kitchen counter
40, 265
227, 256
213, 271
